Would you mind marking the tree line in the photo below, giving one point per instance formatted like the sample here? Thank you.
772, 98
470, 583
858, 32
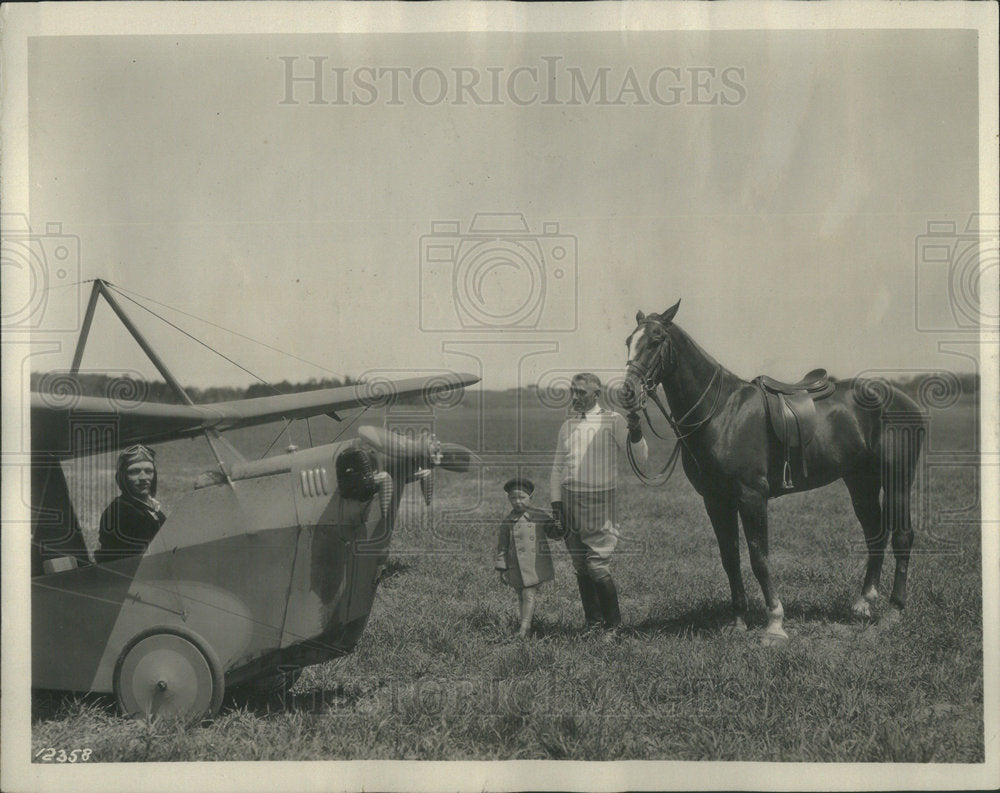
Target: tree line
130, 388
127, 388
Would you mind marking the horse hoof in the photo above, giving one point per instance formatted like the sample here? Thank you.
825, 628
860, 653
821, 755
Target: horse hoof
862, 610
892, 617
774, 638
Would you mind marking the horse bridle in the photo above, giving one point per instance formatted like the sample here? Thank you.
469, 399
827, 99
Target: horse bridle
649, 382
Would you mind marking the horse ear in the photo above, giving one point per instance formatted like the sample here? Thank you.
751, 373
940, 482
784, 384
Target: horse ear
639, 317
668, 315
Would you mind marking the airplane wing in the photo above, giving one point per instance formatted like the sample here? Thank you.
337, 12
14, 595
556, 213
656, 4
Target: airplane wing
73, 426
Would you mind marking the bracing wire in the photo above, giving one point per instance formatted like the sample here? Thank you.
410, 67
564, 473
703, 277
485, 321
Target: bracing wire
277, 438
194, 338
65, 286
352, 422
127, 294
231, 331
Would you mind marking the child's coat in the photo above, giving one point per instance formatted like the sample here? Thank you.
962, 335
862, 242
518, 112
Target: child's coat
523, 550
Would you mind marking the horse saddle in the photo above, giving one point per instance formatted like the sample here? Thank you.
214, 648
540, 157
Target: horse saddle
791, 412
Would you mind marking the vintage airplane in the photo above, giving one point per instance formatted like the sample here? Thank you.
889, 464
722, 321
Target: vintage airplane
266, 566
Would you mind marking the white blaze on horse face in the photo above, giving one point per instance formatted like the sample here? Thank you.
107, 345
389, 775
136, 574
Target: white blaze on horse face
634, 345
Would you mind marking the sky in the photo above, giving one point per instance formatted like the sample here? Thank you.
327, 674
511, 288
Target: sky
778, 183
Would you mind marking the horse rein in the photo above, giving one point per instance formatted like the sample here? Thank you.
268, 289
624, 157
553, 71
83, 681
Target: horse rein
649, 386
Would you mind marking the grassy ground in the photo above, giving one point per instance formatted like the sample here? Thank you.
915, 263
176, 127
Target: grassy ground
437, 675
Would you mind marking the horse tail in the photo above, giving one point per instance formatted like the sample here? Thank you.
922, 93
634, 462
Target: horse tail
903, 435
901, 429
897, 428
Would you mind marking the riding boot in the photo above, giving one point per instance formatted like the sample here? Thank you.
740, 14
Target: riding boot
591, 601
607, 594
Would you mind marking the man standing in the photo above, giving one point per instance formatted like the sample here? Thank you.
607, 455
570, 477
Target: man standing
583, 493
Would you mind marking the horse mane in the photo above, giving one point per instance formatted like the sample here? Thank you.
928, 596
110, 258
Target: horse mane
724, 371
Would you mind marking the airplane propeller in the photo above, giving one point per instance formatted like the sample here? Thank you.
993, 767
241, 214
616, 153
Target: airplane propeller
416, 457
425, 451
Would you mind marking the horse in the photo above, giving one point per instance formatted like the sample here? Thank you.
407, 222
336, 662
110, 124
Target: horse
867, 432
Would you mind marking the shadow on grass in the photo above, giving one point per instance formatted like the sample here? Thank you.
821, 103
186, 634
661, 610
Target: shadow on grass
703, 618
393, 568
312, 701
838, 611
715, 617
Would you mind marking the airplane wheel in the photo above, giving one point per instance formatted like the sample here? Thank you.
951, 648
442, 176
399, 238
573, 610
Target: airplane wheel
168, 672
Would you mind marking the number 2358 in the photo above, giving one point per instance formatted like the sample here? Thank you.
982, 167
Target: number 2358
50, 755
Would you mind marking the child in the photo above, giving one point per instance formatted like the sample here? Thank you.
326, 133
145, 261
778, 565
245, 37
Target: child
523, 556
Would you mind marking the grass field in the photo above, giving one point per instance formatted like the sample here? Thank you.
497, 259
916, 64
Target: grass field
436, 675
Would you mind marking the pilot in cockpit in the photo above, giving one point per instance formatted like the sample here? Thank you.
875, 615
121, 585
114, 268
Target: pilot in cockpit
132, 519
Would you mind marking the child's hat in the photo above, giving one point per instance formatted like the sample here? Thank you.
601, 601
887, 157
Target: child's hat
519, 483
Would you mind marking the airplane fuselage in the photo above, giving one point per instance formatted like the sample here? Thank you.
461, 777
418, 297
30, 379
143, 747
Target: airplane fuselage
272, 566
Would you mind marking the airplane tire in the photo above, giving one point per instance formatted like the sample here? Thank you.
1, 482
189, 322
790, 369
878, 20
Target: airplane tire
169, 672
